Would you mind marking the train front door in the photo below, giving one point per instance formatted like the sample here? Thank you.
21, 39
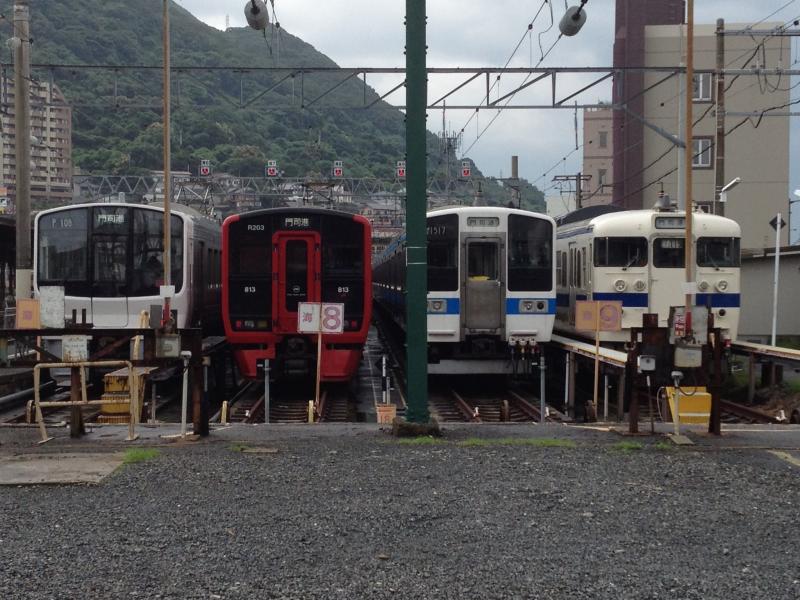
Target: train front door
483, 286
296, 276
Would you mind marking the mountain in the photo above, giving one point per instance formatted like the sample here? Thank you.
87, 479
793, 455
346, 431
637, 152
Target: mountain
238, 119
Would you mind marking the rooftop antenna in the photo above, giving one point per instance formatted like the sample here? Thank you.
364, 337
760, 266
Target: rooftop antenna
227, 22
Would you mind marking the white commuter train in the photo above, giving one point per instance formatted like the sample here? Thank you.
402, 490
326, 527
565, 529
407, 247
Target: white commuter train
109, 259
638, 257
491, 287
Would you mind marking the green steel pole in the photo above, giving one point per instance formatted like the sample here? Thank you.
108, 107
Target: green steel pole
416, 205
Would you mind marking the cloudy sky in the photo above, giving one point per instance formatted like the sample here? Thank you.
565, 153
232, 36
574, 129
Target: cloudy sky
479, 33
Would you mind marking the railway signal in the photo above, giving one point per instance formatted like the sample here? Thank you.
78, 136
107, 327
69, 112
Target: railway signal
338, 169
272, 168
400, 171
205, 167
466, 169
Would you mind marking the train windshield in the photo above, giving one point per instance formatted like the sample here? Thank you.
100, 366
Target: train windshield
107, 251
668, 253
718, 252
622, 252
530, 254
443, 253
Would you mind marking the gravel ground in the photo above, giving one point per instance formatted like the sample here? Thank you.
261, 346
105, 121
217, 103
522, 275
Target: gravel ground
365, 516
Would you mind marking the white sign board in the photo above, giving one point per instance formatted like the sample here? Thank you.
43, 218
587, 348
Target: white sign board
75, 348
51, 300
313, 317
308, 317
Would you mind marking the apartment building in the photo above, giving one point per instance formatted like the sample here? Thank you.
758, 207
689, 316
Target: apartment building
51, 147
756, 147
598, 156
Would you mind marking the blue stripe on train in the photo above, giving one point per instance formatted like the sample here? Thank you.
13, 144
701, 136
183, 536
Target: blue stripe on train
630, 299
512, 306
718, 300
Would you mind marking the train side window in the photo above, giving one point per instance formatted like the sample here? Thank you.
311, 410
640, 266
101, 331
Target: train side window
668, 253
564, 269
622, 252
559, 270
718, 252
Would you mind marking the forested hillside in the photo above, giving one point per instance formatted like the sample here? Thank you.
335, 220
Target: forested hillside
216, 112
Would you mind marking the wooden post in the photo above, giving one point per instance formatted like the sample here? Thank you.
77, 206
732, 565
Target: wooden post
596, 355
76, 427
319, 367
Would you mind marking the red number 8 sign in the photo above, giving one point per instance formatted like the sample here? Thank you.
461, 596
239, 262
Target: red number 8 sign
332, 318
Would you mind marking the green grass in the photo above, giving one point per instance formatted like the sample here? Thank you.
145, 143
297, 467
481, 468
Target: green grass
535, 442
626, 446
664, 446
138, 455
239, 447
423, 440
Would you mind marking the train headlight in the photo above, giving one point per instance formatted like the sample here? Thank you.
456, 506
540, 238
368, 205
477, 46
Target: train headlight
640, 285
437, 306
620, 285
722, 285
532, 306
702, 286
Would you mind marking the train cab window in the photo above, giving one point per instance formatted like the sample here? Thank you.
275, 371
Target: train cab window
147, 256
668, 253
622, 252
718, 252
482, 261
443, 253
62, 252
530, 254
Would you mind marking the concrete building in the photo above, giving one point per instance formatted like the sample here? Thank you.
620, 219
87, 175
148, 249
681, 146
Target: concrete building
758, 268
632, 16
51, 151
759, 155
598, 156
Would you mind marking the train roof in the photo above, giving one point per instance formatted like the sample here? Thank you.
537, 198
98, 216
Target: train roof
293, 211
485, 210
628, 222
586, 213
174, 208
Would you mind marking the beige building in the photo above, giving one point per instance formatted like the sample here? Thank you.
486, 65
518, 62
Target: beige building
758, 155
598, 155
51, 150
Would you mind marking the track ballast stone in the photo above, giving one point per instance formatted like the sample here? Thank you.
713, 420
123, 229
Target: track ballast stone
371, 517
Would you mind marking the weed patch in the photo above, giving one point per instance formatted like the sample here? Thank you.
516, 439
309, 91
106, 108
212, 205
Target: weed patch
138, 455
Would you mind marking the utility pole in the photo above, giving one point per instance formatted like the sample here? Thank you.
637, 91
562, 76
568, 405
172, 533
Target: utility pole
688, 160
22, 109
719, 143
514, 183
166, 314
579, 179
416, 205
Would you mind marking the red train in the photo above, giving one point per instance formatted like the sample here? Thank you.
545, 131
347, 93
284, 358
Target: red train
275, 259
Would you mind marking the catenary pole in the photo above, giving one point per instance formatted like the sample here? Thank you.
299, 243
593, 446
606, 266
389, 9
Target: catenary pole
719, 141
22, 110
688, 159
416, 204
165, 317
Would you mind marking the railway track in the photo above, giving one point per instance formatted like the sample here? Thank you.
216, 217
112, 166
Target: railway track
492, 404
290, 404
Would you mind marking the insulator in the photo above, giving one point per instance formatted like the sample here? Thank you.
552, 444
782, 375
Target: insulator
255, 11
572, 21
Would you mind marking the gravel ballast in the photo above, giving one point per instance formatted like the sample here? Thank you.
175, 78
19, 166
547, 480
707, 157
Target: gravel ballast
367, 516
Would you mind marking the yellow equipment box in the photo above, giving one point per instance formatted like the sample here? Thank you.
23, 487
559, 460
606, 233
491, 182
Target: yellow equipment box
694, 404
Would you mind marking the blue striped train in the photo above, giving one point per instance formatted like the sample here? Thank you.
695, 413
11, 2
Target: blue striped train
491, 288
638, 257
